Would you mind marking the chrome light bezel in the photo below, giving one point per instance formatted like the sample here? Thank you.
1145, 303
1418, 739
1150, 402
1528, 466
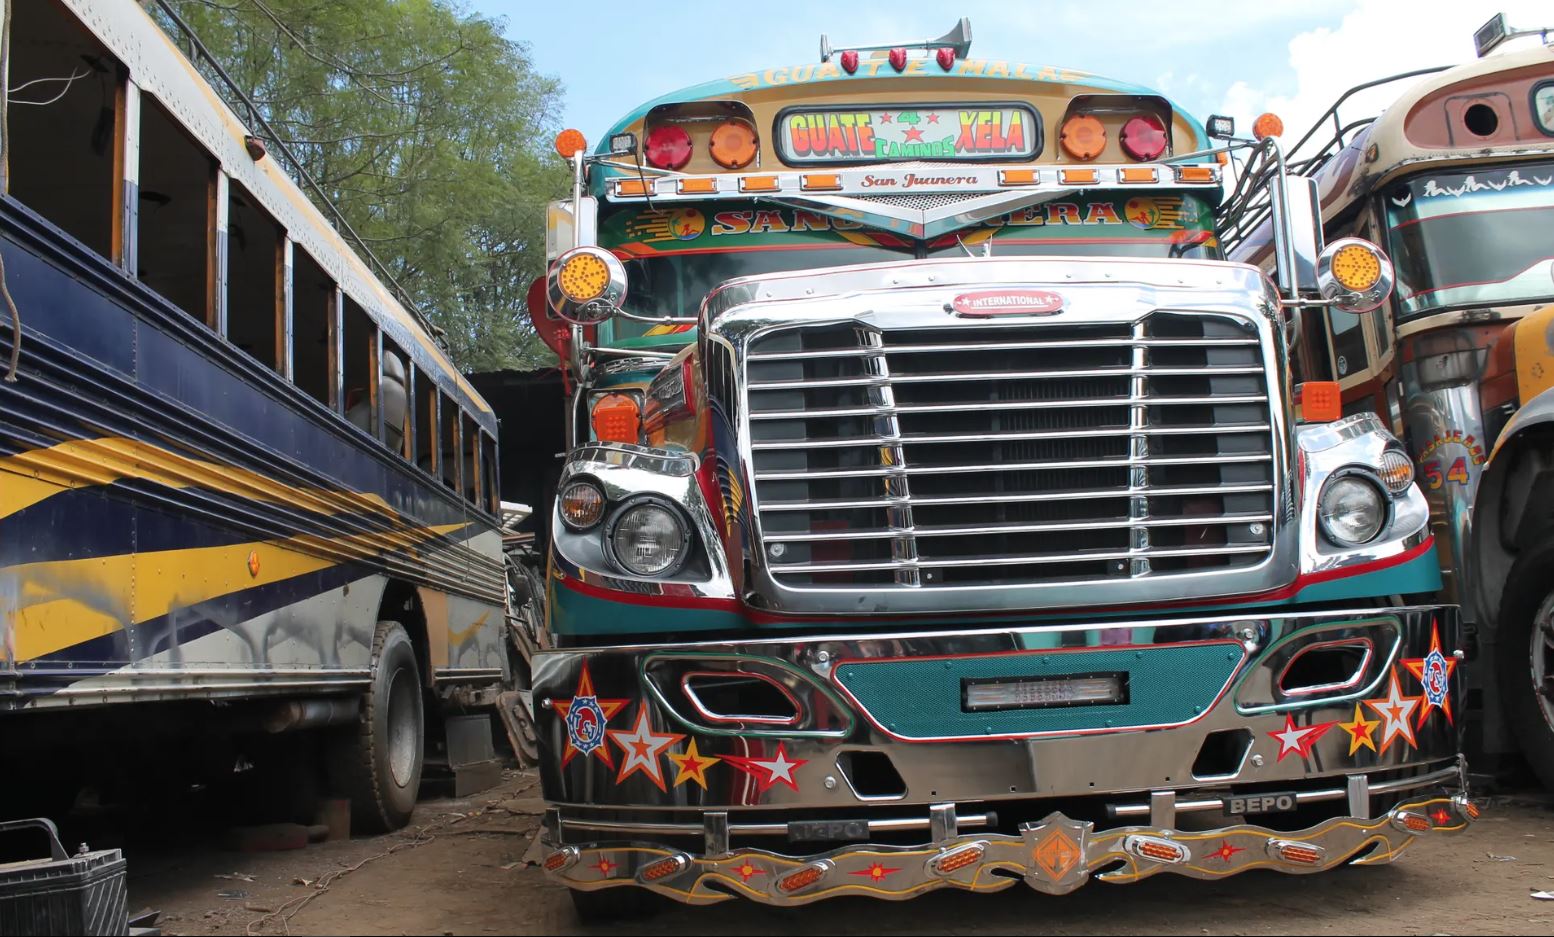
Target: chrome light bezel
612, 525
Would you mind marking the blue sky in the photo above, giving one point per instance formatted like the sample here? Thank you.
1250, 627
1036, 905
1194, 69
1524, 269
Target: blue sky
1240, 57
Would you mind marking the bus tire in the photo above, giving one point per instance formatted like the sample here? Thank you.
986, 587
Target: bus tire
1524, 657
377, 762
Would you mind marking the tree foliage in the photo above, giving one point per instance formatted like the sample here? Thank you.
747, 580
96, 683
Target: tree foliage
427, 128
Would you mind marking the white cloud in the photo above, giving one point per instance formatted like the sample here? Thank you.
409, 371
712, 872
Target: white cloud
1375, 39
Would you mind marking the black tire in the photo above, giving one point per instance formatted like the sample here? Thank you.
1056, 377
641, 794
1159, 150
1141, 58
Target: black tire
377, 762
613, 905
1528, 708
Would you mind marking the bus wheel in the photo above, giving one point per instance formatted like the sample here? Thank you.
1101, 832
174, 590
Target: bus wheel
1525, 658
377, 762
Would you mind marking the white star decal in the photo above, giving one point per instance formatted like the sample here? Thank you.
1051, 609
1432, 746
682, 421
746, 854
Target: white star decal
769, 771
1299, 740
1395, 709
642, 747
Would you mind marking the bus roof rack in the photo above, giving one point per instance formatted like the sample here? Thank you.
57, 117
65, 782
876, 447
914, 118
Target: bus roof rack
958, 39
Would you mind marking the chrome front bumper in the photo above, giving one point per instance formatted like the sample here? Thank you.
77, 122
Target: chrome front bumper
1055, 855
647, 788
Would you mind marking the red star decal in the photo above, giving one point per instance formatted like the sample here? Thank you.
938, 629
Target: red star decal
769, 771
1433, 672
913, 136
745, 870
876, 872
884, 118
1299, 740
933, 118
1441, 817
604, 865
1225, 851
584, 717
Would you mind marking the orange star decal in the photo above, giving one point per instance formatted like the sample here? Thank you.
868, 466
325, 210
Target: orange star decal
692, 765
745, 870
1225, 851
605, 866
1434, 674
1441, 817
875, 872
1361, 731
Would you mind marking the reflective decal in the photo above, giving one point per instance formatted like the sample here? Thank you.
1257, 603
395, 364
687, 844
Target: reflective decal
1434, 674
585, 716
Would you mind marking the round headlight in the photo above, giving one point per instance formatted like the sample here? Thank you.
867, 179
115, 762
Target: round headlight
582, 505
1352, 511
649, 540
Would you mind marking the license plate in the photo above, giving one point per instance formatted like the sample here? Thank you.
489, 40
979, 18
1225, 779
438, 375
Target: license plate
803, 830
1272, 802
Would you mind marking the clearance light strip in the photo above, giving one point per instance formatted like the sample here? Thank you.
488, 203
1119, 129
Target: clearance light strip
968, 180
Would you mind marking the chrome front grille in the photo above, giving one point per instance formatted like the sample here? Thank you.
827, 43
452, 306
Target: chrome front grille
1005, 454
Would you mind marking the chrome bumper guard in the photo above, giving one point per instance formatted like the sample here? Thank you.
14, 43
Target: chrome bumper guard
1055, 856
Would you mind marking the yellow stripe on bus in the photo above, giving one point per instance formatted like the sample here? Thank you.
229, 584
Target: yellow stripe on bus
79, 463
61, 603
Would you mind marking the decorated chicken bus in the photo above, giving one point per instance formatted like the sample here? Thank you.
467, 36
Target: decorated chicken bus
1456, 179
935, 516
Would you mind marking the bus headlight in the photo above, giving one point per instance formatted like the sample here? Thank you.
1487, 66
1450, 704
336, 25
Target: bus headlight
1351, 510
649, 539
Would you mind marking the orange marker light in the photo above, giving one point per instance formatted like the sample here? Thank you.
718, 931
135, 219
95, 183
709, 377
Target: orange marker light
663, 868
569, 143
733, 144
820, 181
617, 418
1268, 125
1083, 137
1297, 853
803, 878
698, 187
1135, 175
1320, 401
1196, 174
633, 187
1017, 176
759, 184
1081, 176
957, 859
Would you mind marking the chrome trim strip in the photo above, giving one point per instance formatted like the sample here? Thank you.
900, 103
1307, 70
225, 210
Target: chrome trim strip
1443, 776
893, 825
1008, 405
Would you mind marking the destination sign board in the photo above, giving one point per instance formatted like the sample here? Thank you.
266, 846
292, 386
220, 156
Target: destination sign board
830, 135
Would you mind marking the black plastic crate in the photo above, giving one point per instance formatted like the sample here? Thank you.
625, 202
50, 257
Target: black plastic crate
62, 894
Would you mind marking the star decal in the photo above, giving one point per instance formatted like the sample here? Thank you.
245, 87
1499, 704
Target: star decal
642, 746
1395, 710
1361, 731
692, 765
933, 118
770, 771
585, 716
884, 118
605, 866
1434, 674
876, 871
1441, 817
744, 870
913, 136
1299, 740
1226, 851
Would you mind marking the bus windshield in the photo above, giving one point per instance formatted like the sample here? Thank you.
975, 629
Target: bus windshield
1473, 237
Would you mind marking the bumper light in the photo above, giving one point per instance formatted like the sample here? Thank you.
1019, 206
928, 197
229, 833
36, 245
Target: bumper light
1297, 853
1039, 692
802, 879
663, 868
958, 858
1411, 822
1467, 807
561, 859
1153, 847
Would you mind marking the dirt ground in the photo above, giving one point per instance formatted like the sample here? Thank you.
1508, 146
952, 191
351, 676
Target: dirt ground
458, 870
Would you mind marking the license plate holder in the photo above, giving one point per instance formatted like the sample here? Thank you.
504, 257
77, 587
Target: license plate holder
800, 831
1266, 802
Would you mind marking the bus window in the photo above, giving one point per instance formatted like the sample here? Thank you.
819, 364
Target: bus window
469, 443
425, 422
493, 501
360, 383
448, 454
62, 154
312, 309
255, 304
393, 391
175, 232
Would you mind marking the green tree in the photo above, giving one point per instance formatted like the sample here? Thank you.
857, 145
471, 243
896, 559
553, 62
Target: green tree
427, 128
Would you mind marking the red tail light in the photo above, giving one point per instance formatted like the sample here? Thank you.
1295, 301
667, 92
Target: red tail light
946, 57
1144, 138
668, 146
898, 59
849, 61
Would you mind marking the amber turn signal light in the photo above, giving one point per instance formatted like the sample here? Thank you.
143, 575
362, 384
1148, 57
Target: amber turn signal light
1320, 401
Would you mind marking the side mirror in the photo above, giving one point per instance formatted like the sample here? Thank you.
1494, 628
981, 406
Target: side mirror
1354, 275
587, 285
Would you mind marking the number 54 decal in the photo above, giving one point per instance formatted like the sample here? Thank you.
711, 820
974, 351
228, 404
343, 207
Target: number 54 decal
1457, 474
